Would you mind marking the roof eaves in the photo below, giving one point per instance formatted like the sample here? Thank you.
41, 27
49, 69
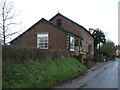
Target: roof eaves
58, 14
40, 21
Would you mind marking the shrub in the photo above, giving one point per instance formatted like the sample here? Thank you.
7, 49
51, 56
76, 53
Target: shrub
108, 49
18, 55
79, 58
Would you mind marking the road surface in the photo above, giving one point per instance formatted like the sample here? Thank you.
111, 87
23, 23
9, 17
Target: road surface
106, 78
103, 75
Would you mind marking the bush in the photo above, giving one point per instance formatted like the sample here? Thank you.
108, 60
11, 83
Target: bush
17, 55
100, 58
108, 49
79, 58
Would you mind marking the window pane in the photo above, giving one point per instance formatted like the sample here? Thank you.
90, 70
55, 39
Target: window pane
42, 35
42, 41
71, 43
46, 45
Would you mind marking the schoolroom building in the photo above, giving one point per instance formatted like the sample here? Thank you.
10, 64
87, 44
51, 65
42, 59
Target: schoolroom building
58, 33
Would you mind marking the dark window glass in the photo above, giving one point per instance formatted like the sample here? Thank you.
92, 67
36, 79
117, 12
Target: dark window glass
59, 22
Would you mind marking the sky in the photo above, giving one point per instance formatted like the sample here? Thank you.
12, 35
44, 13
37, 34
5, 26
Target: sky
102, 14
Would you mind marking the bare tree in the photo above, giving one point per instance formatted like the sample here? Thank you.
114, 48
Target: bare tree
7, 14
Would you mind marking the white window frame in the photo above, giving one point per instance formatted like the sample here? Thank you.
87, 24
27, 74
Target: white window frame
43, 42
72, 43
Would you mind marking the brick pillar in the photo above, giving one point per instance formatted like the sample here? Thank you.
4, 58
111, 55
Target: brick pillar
68, 41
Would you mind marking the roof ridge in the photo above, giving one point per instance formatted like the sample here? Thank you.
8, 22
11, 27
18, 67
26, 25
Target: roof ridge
62, 28
42, 20
59, 14
65, 17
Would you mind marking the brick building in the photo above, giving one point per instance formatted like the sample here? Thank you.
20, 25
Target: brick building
59, 33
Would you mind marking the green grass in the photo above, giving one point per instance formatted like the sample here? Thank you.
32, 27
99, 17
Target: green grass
41, 75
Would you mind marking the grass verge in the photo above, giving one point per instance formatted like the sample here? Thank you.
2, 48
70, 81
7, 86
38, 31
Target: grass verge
41, 75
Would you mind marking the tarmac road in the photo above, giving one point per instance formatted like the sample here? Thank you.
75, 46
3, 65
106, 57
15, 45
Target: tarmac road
106, 78
103, 75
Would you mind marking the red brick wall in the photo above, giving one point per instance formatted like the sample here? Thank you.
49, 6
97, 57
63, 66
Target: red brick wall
57, 38
90, 40
68, 25
73, 53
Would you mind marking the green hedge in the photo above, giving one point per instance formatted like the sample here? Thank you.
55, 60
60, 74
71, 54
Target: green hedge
17, 55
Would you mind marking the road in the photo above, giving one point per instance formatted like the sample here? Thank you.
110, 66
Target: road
106, 78
104, 75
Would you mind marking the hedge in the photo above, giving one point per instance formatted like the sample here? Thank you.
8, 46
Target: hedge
17, 55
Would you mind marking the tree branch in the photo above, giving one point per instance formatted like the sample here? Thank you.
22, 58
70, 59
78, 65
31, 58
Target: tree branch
1, 24
12, 34
11, 24
7, 14
1, 27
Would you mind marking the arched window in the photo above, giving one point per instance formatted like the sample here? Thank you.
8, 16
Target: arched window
71, 43
59, 22
78, 42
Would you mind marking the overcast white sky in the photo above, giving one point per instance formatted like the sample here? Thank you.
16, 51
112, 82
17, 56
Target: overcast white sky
102, 14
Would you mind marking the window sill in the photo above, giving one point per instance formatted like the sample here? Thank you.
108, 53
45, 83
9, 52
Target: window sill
42, 48
72, 50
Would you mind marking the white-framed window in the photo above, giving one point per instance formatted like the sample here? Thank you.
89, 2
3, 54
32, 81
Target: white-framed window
42, 41
71, 43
